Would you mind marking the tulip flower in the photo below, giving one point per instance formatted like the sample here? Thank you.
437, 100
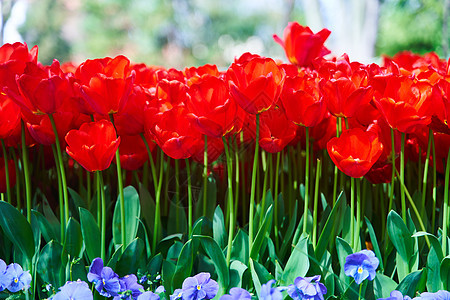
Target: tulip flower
93, 145
301, 45
355, 151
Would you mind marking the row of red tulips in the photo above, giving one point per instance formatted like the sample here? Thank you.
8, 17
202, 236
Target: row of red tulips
256, 96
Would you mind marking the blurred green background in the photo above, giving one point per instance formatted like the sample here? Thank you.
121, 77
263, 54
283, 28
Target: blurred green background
178, 33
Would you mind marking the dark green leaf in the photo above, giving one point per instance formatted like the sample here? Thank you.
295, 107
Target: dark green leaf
132, 214
73, 240
91, 234
49, 265
219, 230
262, 232
409, 284
132, 258
445, 273
298, 263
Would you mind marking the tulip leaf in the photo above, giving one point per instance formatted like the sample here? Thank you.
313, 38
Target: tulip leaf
289, 232
240, 246
49, 265
73, 242
445, 272
211, 199
131, 259
260, 275
132, 214
261, 235
219, 230
298, 262
91, 234
17, 229
214, 252
433, 267
177, 218
184, 264
373, 239
237, 270
47, 230
167, 274
409, 285
383, 285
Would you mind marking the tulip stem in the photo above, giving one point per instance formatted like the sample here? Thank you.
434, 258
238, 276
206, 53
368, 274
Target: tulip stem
433, 215
157, 220
16, 165
306, 204
5, 158
62, 170
352, 212
402, 177
265, 166
391, 194
121, 195
205, 174
188, 171
230, 201
445, 208
252, 191
316, 203
358, 212
60, 195
177, 192
236, 190
101, 191
275, 201
336, 170
26, 173
152, 163
425, 171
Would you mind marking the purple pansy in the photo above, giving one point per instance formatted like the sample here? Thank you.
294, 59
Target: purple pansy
201, 286
237, 293
148, 296
105, 280
3, 282
75, 290
177, 294
439, 295
270, 293
307, 288
129, 288
16, 279
361, 265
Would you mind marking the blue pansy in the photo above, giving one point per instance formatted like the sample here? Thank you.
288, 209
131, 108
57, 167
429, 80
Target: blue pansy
201, 286
270, 293
74, 290
160, 289
148, 296
439, 295
177, 294
16, 279
361, 265
396, 295
129, 288
3, 282
307, 288
105, 280
237, 293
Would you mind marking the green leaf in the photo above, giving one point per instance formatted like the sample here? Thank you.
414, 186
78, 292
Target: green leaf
343, 250
147, 207
114, 258
373, 239
329, 231
177, 218
214, 252
260, 275
155, 264
132, 214
433, 267
383, 286
435, 244
132, 258
78, 201
219, 230
408, 286
401, 238
237, 270
17, 229
184, 264
289, 232
47, 230
240, 246
211, 199
91, 234
263, 231
298, 263
445, 272
74, 239
49, 265
168, 271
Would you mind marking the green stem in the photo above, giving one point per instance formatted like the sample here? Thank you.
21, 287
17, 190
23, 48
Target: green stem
99, 200
352, 212
336, 170
60, 195
205, 175
305, 210
121, 195
433, 214
230, 201
316, 203
166, 186
253, 187
275, 201
152, 162
391, 194
103, 214
265, 166
425, 171
402, 177
177, 192
157, 220
189, 196
236, 190
89, 188
16, 165
62, 170
5, 158
360, 290
358, 213
445, 209
26, 173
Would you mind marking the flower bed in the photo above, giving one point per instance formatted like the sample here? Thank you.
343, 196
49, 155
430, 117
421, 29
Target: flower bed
320, 178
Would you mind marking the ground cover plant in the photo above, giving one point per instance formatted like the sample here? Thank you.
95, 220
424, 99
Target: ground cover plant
319, 178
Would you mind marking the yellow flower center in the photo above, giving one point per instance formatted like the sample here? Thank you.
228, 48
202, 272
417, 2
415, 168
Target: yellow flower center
199, 287
360, 270
16, 280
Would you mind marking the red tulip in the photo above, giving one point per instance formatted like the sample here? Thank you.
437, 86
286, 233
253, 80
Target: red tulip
301, 45
41, 129
355, 151
132, 151
256, 84
9, 116
93, 145
105, 83
211, 109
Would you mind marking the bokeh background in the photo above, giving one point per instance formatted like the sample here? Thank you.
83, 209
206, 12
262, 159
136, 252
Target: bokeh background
179, 33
